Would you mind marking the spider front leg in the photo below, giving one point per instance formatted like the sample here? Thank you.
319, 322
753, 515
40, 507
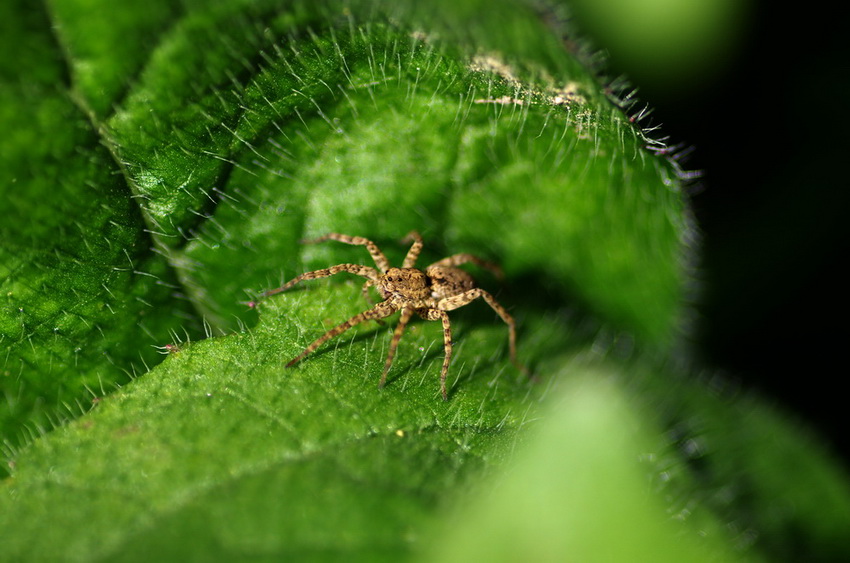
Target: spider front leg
434, 315
365, 292
378, 256
413, 253
379, 311
356, 269
455, 301
458, 259
406, 313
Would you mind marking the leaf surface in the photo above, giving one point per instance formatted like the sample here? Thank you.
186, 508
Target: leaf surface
161, 168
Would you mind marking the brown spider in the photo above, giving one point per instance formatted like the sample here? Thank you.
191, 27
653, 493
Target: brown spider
430, 293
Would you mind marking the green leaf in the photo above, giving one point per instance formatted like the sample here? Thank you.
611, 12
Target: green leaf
221, 450
275, 133
728, 479
586, 490
161, 168
84, 299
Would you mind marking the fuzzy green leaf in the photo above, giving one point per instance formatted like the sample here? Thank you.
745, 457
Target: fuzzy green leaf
269, 131
84, 299
161, 167
221, 450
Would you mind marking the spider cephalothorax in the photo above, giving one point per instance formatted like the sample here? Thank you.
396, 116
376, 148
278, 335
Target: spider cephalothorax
429, 293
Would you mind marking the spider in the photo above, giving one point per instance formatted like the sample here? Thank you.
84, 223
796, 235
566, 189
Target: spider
429, 293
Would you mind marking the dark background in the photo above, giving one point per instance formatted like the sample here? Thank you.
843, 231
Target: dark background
769, 130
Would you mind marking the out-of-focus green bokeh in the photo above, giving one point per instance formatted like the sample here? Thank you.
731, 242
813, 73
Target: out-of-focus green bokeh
678, 43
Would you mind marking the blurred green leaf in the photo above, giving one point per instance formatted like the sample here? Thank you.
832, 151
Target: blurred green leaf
668, 44
586, 489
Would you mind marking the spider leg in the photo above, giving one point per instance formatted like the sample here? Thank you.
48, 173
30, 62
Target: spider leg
455, 301
356, 269
378, 256
406, 313
437, 314
365, 292
413, 253
458, 259
379, 311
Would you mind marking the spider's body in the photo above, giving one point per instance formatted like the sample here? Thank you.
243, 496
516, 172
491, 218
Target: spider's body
429, 293
418, 289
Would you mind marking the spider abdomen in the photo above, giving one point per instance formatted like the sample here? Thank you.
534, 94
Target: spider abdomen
448, 282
